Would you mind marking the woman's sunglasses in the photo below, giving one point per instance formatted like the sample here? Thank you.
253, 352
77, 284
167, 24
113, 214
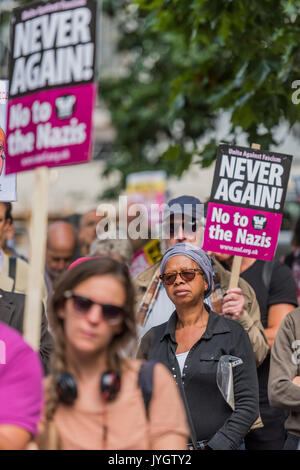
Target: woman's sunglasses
187, 275
110, 313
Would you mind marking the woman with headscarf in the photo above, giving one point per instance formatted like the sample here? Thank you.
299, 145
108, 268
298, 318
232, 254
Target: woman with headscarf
210, 356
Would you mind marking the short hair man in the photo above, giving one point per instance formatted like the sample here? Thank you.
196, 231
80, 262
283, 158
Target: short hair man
87, 230
61, 244
13, 270
8, 233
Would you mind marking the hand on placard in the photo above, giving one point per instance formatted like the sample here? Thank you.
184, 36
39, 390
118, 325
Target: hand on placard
296, 380
233, 303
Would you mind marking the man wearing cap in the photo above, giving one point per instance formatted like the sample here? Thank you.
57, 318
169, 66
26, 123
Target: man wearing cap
183, 222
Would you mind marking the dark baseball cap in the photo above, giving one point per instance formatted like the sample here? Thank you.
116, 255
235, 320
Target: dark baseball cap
184, 205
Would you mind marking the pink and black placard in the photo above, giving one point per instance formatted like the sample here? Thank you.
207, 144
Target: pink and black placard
246, 202
52, 86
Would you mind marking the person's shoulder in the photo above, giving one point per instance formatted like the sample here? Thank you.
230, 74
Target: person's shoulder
234, 326
279, 266
146, 276
155, 332
12, 297
281, 272
11, 337
292, 320
15, 347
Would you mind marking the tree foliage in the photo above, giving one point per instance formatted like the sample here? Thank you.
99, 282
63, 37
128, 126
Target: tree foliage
191, 61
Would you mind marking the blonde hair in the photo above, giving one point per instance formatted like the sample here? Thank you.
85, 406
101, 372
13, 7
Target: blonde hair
68, 281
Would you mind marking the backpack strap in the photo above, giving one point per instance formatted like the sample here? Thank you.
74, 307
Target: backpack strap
12, 270
145, 382
267, 273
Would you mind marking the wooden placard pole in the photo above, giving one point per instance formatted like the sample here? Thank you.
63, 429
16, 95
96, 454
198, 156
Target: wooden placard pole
237, 260
39, 217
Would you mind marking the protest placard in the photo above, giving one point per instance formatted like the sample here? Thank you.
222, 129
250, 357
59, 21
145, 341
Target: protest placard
52, 94
148, 188
146, 194
8, 189
51, 84
247, 199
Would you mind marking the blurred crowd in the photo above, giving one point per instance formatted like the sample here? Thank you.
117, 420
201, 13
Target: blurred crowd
144, 344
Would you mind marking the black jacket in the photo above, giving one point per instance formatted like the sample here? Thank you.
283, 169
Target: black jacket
12, 313
212, 418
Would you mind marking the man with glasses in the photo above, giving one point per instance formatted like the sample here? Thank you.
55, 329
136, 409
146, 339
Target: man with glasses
183, 222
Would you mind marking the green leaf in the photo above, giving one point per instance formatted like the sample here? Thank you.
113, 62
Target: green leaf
172, 153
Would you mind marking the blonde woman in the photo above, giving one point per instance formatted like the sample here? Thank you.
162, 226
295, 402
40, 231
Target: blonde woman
93, 398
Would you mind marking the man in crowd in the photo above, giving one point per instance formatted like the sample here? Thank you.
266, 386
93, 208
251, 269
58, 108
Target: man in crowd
13, 270
284, 378
60, 250
276, 293
13, 284
12, 306
87, 230
183, 222
7, 236
20, 390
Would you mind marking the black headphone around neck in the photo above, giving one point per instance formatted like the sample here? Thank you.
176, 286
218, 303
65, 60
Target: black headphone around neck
110, 384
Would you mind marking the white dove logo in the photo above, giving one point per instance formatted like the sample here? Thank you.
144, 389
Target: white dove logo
65, 106
259, 222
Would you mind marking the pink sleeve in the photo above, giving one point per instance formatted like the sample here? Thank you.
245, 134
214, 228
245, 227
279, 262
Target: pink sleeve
20, 383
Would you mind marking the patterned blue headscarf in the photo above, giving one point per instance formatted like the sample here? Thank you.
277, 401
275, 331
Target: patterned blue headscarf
197, 255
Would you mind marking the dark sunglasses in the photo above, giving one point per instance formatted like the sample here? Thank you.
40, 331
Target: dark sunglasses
110, 313
187, 275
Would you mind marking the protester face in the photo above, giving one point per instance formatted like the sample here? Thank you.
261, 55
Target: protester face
57, 261
87, 231
4, 224
184, 292
60, 249
184, 229
89, 327
7, 234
